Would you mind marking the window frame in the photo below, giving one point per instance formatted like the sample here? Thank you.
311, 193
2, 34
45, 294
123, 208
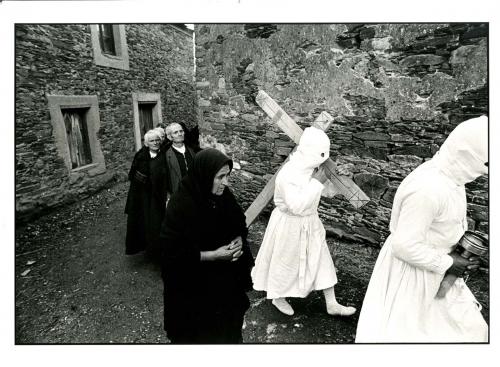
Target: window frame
142, 97
118, 61
57, 103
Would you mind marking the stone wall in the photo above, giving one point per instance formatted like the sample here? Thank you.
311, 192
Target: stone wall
395, 91
57, 59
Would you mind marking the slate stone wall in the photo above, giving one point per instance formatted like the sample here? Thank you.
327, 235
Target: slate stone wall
57, 59
395, 90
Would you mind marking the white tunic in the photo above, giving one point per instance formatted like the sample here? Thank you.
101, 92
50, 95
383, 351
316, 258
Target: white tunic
427, 220
294, 259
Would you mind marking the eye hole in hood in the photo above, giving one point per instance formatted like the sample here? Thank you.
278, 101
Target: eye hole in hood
313, 148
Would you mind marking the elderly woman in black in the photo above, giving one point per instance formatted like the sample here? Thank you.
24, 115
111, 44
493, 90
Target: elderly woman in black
143, 219
206, 260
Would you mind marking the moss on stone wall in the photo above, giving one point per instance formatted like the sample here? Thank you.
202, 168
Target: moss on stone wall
395, 91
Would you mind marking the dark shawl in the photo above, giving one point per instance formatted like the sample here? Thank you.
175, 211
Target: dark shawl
198, 221
144, 211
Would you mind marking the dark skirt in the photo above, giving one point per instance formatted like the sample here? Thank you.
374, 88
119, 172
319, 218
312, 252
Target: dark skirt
219, 328
137, 210
194, 318
145, 205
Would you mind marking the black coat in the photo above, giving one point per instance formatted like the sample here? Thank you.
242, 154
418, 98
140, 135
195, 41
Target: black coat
197, 292
173, 170
144, 209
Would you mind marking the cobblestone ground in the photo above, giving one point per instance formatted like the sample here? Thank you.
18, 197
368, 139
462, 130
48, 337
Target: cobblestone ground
75, 285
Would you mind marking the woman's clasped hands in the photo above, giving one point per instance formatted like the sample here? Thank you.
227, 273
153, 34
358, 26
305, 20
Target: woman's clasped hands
231, 251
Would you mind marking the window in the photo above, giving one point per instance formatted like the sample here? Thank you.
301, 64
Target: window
77, 136
75, 123
107, 39
147, 114
109, 45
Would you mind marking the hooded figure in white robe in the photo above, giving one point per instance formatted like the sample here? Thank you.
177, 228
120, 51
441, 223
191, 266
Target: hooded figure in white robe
294, 259
428, 218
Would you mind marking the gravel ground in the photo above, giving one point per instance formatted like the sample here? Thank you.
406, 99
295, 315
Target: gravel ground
74, 284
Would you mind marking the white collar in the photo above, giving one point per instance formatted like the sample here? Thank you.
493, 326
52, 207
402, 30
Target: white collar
180, 150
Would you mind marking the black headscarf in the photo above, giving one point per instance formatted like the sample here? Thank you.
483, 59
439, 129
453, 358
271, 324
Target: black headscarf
193, 211
191, 136
205, 166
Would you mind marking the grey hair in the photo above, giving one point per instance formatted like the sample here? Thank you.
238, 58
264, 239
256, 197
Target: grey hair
153, 133
170, 127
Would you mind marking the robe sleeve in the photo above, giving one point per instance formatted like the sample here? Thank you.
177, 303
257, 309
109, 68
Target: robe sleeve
418, 210
299, 198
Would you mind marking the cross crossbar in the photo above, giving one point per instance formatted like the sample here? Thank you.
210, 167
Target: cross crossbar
323, 122
342, 184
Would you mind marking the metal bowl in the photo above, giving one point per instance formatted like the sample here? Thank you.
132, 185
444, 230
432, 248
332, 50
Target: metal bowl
475, 243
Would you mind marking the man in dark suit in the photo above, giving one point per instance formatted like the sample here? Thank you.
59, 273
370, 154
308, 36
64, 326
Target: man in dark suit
179, 157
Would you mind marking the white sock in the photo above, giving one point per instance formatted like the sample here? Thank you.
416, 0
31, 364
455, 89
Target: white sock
339, 310
335, 308
282, 305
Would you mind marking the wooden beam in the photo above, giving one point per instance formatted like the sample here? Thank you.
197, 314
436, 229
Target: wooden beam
342, 184
261, 201
279, 116
345, 186
323, 122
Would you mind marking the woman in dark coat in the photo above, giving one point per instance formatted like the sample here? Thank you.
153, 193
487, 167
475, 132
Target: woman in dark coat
144, 213
206, 259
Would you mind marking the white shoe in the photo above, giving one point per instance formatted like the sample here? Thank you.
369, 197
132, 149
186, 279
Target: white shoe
339, 310
282, 305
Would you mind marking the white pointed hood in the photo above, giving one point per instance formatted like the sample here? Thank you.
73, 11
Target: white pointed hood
313, 149
463, 155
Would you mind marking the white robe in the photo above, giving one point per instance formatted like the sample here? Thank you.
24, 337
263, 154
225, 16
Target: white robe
294, 259
427, 220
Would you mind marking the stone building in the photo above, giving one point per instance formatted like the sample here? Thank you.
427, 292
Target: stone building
85, 94
395, 91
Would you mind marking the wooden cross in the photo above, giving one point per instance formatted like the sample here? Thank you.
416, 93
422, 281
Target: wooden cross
342, 184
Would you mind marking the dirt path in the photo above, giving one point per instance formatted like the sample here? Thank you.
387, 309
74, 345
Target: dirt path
75, 285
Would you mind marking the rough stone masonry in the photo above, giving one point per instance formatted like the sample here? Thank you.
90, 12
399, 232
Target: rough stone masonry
395, 90
57, 59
